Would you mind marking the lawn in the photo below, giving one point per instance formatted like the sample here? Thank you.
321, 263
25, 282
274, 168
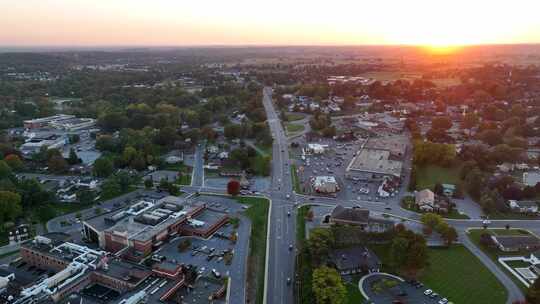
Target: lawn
428, 176
258, 214
295, 116
295, 180
264, 150
493, 254
456, 274
294, 128
354, 296
185, 179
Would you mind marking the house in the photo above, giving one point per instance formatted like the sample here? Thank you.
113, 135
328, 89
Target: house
513, 243
223, 155
449, 189
19, 234
523, 206
354, 260
505, 167
359, 217
531, 178
425, 200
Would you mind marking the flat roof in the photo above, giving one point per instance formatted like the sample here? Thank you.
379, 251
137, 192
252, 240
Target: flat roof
122, 221
375, 161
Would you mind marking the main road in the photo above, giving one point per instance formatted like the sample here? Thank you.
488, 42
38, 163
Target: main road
282, 226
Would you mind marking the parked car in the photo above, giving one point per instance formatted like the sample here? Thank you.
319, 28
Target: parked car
428, 292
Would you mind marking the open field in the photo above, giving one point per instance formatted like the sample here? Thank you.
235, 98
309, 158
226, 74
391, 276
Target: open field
294, 128
428, 176
455, 273
458, 275
410, 76
295, 116
492, 253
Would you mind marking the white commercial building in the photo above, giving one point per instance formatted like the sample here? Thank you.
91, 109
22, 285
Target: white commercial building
325, 184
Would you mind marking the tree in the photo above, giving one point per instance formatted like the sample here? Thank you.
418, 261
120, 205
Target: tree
431, 219
233, 187
533, 293
319, 244
469, 121
5, 170
73, 159
103, 167
438, 189
110, 189
57, 164
408, 252
148, 183
327, 286
14, 162
449, 235
10, 206
441, 123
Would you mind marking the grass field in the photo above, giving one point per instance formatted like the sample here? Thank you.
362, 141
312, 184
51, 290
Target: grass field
294, 116
294, 128
459, 276
295, 180
258, 214
428, 176
354, 296
411, 76
456, 274
493, 254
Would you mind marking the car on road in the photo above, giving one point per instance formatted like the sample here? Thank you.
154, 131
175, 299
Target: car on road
388, 208
428, 292
486, 222
288, 281
288, 213
290, 247
288, 196
216, 273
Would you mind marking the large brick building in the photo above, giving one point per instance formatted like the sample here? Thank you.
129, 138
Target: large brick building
137, 230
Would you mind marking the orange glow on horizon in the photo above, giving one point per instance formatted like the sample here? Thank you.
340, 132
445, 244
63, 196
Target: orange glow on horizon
436, 24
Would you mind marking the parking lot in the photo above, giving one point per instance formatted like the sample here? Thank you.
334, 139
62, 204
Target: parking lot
217, 253
334, 162
382, 288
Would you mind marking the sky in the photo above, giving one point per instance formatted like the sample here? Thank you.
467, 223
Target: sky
276, 22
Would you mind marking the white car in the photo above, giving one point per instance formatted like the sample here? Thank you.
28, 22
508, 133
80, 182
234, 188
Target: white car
443, 301
428, 292
486, 222
288, 196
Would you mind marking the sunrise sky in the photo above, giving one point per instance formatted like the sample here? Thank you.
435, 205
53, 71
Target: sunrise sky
277, 22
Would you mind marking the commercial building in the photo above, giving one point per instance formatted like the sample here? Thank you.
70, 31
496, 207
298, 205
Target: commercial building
325, 184
359, 217
135, 231
315, 149
378, 158
60, 121
35, 144
45, 121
